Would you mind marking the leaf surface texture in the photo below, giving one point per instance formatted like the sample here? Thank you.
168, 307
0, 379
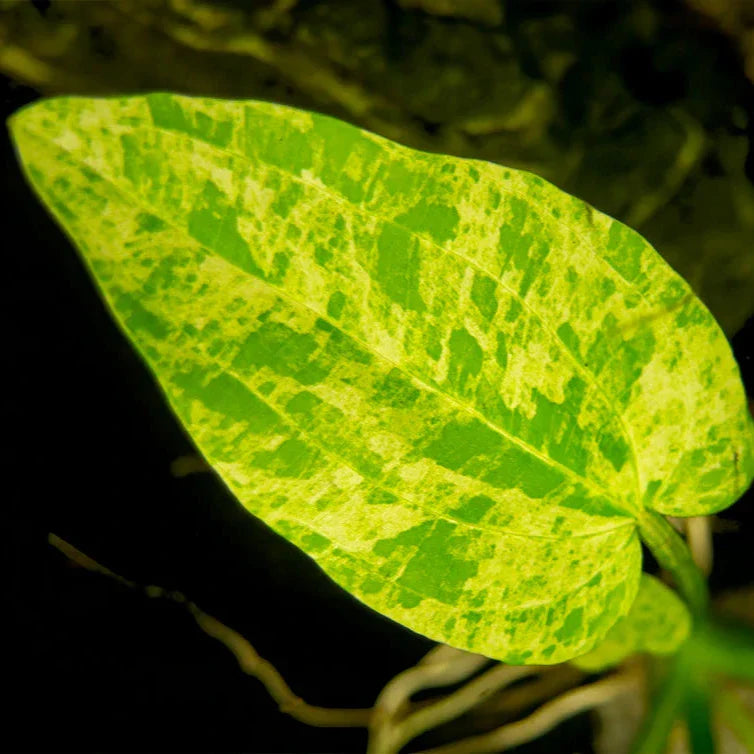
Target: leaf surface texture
451, 384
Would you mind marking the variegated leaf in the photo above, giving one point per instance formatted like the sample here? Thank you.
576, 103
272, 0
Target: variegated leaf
658, 623
451, 384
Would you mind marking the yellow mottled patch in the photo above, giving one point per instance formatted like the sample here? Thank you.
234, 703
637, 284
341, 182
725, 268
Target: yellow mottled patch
346, 478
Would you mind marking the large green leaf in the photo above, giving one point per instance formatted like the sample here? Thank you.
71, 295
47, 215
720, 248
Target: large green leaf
451, 384
658, 623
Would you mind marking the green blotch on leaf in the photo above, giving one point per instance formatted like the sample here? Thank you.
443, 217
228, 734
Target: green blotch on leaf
691, 314
483, 295
407, 539
531, 260
214, 223
459, 442
396, 390
399, 267
591, 503
434, 570
280, 263
472, 509
228, 397
482, 452
162, 277
571, 626
167, 112
551, 426
335, 304
712, 479
141, 163
379, 496
281, 349
303, 403
322, 254
624, 251
285, 145
293, 233
409, 599
511, 238
568, 336
465, 358
438, 220
514, 310
433, 346
287, 198
138, 318
615, 449
344, 145
372, 585
313, 542
150, 223
628, 362
472, 617
519, 469
340, 347
292, 458
501, 351
607, 288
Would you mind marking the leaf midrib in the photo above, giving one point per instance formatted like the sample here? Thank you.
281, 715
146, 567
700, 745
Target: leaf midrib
380, 484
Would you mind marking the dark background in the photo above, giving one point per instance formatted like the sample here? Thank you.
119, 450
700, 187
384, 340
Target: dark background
92, 665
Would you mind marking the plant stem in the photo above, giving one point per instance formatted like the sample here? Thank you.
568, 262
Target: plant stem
664, 710
698, 716
674, 556
726, 649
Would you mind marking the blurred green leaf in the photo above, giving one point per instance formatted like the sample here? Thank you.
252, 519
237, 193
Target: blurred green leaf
657, 623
